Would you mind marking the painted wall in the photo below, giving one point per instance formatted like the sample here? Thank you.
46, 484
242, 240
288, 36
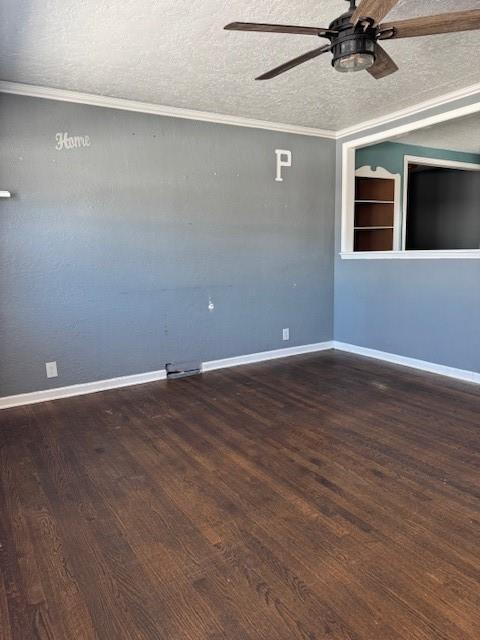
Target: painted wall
425, 309
110, 254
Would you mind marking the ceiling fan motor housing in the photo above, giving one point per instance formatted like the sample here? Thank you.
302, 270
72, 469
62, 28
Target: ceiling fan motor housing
351, 39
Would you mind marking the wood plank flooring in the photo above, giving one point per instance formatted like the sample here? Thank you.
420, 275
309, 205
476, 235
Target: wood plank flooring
321, 496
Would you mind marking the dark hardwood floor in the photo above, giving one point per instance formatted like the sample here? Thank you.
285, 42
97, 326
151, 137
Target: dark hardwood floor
321, 496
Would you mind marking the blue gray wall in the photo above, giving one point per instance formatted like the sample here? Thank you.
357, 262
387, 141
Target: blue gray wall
426, 309
110, 254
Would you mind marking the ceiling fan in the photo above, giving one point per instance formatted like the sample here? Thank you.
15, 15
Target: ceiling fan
355, 34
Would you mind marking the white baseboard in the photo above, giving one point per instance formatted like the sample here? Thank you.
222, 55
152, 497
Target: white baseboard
422, 365
81, 389
152, 376
266, 355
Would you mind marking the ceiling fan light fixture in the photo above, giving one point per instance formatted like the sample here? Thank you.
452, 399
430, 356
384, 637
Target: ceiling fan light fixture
353, 51
354, 62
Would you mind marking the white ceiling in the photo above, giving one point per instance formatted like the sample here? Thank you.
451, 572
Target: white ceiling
462, 134
175, 53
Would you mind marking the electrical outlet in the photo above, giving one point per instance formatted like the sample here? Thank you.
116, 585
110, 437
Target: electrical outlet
51, 368
286, 334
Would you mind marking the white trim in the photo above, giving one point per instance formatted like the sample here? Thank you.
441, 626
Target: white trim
262, 356
430, 162
413, 126
378, 172
414, 363
141, 378
212, 365
404, 202
348, 197
450, 254
447, 164
348, 168
81, 389
63, 95
433, 103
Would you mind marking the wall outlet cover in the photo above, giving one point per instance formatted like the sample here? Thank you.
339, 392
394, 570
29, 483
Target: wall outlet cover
51, 368
286, 334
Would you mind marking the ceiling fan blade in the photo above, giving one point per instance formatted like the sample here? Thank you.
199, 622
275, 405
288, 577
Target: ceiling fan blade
294, 63
278, 28
431, 25
375, 9
383, 66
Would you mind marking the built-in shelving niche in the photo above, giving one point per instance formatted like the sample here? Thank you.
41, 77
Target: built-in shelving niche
376, 224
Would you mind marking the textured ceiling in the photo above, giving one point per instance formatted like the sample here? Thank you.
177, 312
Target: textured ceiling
462, 134
175, 53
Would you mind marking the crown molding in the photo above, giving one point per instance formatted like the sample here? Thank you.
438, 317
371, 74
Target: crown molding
63, 95
440, 101
50, 93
